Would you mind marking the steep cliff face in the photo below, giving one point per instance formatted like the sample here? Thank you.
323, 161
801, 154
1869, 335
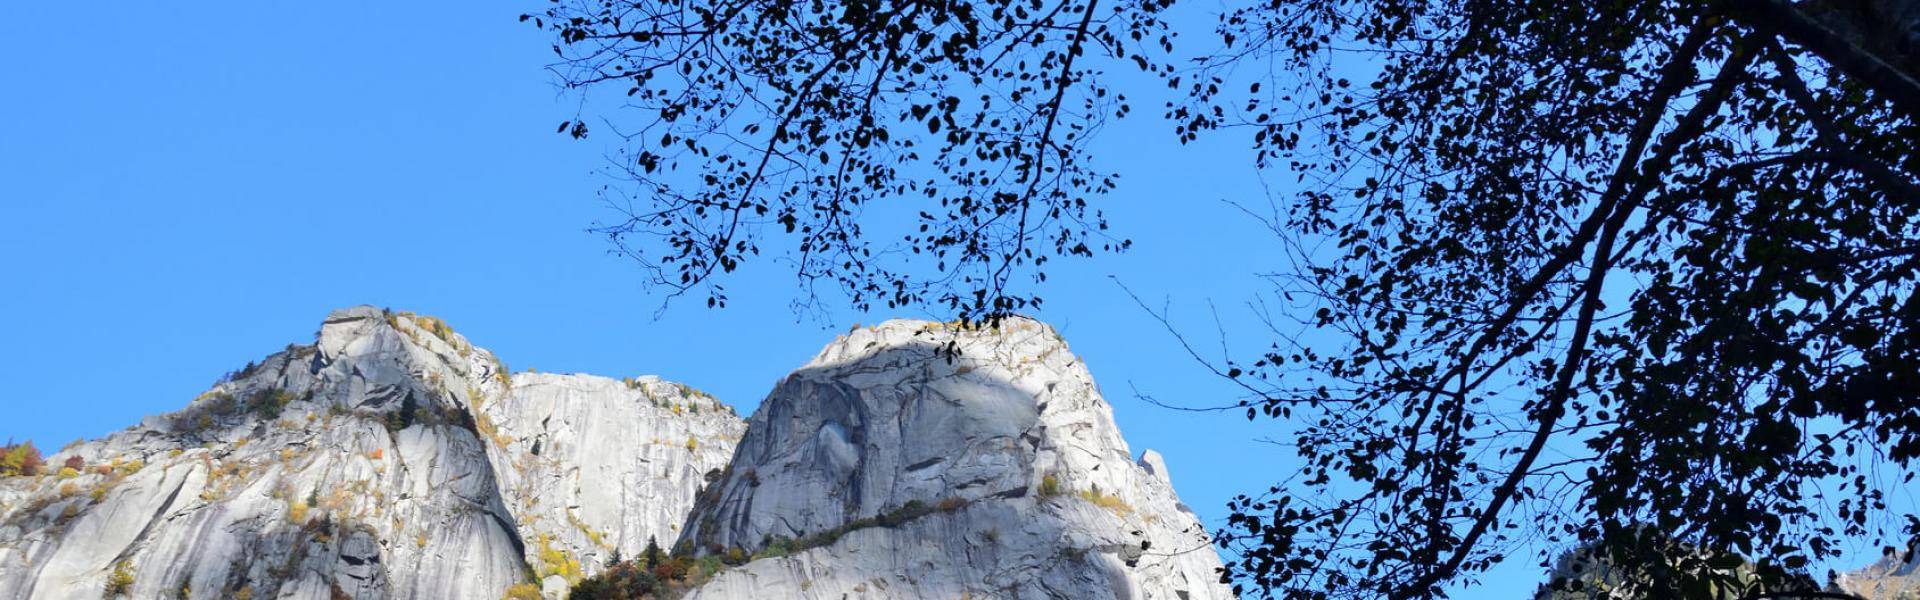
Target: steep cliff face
919, 460
595, 465
391, 459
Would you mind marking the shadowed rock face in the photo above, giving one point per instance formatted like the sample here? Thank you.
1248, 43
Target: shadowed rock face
891, 470
391, 459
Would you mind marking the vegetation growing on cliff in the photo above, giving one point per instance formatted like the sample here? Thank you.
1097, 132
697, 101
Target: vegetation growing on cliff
20, 459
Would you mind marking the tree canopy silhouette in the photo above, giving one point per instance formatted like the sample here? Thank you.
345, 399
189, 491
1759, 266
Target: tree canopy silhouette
798, 117
1576, 273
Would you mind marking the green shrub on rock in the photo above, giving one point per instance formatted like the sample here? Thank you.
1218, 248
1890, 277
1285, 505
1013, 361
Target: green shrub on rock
624, 580
269, 402
120, 582
1049, 486
522, 591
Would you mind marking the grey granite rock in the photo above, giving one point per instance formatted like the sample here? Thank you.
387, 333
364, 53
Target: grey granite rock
598, 465
394, 459
391, 459
921, 460
1894, 577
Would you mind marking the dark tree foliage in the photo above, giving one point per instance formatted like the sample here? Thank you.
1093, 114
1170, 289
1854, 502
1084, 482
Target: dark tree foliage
1563, 275
651, 556
405, 417
800, 118
1636, 265
622, 580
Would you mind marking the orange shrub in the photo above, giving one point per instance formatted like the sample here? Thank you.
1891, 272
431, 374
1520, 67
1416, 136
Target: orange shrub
20, 459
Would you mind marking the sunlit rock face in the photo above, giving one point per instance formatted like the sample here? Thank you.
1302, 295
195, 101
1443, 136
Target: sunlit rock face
393, 459
922, 460
1889, 579
596, 465
390, 459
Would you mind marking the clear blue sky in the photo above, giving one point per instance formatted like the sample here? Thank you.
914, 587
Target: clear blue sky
189, 187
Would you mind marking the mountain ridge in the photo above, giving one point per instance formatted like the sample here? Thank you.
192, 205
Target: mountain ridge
393, 458
380, 461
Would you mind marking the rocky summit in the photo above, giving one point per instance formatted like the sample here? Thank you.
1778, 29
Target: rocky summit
921, 460
1896, 576
394, 459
